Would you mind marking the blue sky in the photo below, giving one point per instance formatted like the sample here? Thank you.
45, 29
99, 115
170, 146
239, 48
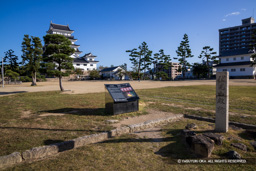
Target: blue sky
107, 28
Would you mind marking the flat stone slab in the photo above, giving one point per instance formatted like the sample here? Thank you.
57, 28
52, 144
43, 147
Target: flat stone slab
217, 138
112, 121
187, 133
191, 126
239, 146
233, 155
201, 145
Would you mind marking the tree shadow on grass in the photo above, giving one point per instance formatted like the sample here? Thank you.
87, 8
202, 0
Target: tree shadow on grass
176, 149
13, 92
49, 141
61, 145
130, 140
79, 111
249, 134
46, 129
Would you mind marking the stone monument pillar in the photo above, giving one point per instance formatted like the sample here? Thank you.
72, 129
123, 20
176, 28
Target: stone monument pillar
222, 102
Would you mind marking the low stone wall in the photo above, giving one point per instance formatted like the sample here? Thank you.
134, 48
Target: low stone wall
49, 150
40, 152
145, 125
89, 139
9, 160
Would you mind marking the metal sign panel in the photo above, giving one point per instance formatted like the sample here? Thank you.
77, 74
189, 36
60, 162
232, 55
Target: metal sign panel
121, 92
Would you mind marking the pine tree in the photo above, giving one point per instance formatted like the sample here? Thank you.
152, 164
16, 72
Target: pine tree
209, 55
141, 59
184, 52
12, 60
32, 55
57, 56
163, 61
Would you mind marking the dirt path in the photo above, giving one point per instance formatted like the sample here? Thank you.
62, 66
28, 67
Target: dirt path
81, 87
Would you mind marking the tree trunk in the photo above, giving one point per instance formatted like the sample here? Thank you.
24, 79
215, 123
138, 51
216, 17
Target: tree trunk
33, 79
208, 66
139, 72
144, 71
60, 82
183, 73
154, 73
184, 68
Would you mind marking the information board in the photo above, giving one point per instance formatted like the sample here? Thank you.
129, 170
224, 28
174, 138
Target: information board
121, 92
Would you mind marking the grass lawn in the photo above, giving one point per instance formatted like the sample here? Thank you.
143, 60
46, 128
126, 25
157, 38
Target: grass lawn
200, 100
130, 152
33, 119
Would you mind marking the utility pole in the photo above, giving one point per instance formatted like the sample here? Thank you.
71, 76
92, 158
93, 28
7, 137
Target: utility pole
2, 72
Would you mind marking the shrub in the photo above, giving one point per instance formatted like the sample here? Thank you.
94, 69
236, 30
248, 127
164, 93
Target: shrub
25, 79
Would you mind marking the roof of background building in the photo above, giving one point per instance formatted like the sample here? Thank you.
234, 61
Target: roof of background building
233, 64
60, 27
109, 69
246, 21
79, 60
82, 60
89, 55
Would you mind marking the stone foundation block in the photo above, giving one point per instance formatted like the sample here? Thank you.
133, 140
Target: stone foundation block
40, 152
217, 138
9, 160
120, 131
201, 145
89, 139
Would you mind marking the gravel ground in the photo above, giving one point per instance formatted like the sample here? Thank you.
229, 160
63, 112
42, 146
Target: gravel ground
80, 87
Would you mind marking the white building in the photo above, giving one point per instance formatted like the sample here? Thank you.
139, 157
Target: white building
86, 62
235, 51
237, 65
116, 73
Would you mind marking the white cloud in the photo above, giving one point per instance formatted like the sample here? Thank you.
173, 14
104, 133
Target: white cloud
223, 19
233, 13
243, 9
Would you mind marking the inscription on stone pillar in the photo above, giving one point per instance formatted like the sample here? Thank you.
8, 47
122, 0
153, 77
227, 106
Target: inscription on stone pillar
222, 102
